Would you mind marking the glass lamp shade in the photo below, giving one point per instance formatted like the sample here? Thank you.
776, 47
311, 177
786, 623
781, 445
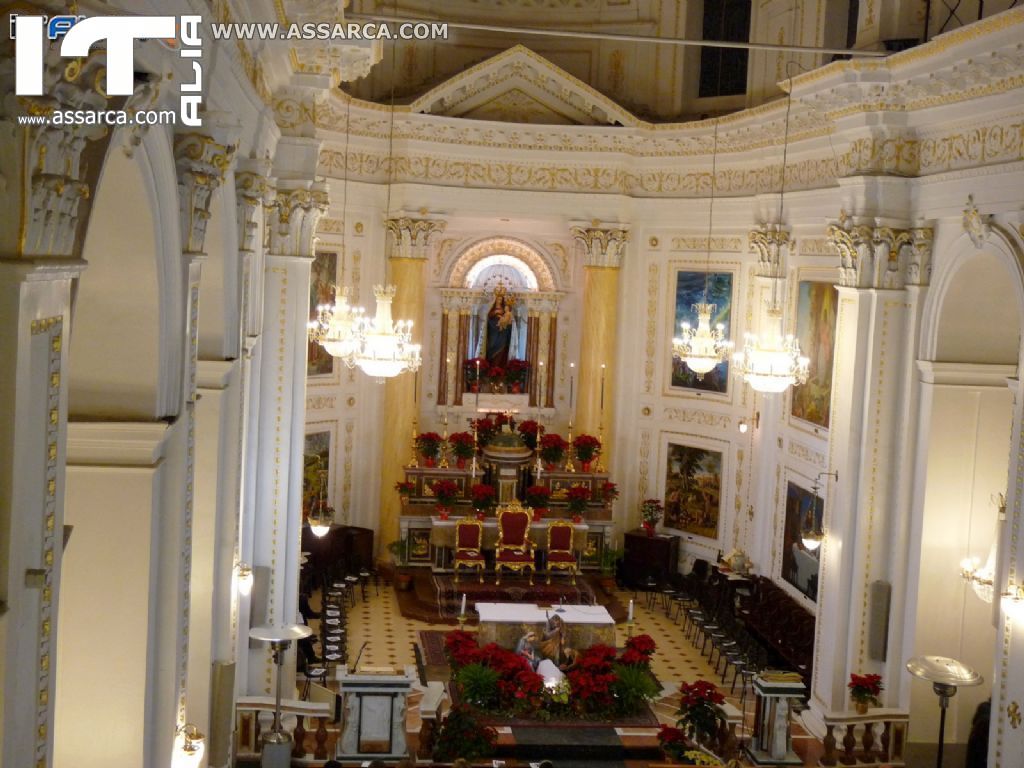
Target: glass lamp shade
771, 364
189, 748
245, 579
335, 326
703, 347
384, 347
811, 540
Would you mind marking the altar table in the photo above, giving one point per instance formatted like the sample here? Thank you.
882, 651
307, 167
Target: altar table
505, 623
442, 533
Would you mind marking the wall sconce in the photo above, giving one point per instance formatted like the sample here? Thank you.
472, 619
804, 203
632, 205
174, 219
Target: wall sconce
245, 578
189, 747
744, 425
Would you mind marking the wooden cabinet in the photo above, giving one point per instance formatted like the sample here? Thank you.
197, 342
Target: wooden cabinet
649, 557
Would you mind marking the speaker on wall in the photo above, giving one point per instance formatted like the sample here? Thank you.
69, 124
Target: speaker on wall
879, 597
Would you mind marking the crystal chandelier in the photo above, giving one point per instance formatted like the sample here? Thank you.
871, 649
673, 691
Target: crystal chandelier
704, 347
772, 362
335, 325
383, 347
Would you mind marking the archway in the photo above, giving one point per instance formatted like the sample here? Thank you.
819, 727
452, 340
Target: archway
970, 347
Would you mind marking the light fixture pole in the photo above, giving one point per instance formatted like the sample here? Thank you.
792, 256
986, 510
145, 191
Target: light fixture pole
945, 675
276, 749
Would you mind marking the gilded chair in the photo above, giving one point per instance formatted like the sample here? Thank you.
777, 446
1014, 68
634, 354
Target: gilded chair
469, 538
560, 554
515, 551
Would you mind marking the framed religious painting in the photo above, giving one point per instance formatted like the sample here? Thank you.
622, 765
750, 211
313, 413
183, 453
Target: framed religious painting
816, 308
316, 458
322, 277
419, 545
693, 484
804, 511
689, 292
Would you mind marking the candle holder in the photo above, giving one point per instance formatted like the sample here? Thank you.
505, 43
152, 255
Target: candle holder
599, 467
569, 467
629, 629
461, 618
414, 459
443, 464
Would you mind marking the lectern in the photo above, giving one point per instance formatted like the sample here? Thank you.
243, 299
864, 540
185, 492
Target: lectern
373, 707
772, 744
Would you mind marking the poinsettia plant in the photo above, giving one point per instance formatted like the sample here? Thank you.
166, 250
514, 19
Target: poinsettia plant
577, 497
405, 488
651, 510
587, 447
638, 650
445, 491
865, 688
483, 497
429, 444
486, 429
700, 710
529, 429
462, 444
553, 448
609, 491
537, 496
673, 742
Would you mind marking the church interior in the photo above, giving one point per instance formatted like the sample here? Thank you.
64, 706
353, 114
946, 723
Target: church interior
621, 382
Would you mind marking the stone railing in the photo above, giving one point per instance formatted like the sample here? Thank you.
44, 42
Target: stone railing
876, 738
247, 725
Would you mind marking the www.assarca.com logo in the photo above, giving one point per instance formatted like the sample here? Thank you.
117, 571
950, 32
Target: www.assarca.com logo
120, 32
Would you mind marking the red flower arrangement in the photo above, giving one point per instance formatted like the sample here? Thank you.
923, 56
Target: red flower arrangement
864, 689
483, 496
552, 448
445, 491
587, 447
591, 679
529, 429
673, 742
462, 444
537, 496
429, 444
700, 712
462, 735
496, 373
405, 488
461, 648
578, 496
609, 491
486, 429
638, 650
471, 368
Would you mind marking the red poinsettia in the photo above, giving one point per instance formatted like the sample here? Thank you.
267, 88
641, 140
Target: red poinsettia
537, 496
591, 679
485, 430
461, 648
578, 496
445, 491
529, 429
587, 447
405, 488
865, 688
552, 447
462, 444
638, 650
700, 712
483, 496
673, 742
609, 491
429, 444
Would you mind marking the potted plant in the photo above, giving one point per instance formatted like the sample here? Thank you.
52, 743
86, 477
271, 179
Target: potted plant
463, 446
537, 497
403, 580
496, 376
463, 735
609, 557
552, 450
864, 690
515, 376
608, 492
445, 492
587, 447
651, 511
528, 429
486, 429
429, 446
700, 711
577, 497
483, 497
405, 488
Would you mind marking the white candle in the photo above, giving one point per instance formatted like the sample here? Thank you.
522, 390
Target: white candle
463, 611
572, 366
478, 385
630, 609
602, 387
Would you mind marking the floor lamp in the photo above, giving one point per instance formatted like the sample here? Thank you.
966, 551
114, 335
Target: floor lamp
945, 675
276, 749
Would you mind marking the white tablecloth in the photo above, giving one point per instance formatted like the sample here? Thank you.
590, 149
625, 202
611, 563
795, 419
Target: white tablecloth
527, 613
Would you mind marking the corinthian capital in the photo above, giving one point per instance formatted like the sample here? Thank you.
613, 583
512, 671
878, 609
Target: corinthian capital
293, 217
202, 158
770, 242
603, 245
409, 238
252, 191
877, 256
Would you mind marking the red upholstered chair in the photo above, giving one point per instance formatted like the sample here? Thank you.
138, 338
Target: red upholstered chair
469, 538
515, 551
560, 554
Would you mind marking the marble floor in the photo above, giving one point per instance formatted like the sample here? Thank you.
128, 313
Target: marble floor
389, 638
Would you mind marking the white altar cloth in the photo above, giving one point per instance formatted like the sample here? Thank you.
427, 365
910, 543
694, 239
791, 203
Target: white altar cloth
527, 613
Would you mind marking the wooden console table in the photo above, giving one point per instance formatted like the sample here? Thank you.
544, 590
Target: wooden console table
649, 557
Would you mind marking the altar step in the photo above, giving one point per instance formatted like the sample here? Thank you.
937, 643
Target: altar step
595, 746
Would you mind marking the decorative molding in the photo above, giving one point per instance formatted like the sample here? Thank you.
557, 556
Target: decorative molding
701, 244
769, 242
603, 245
645, 458
705, 418
478, 250
202, 160
651, 346
881, 257
815, 246
293, 217
321, 402
977, 225
134, 444
409, 238
804, 453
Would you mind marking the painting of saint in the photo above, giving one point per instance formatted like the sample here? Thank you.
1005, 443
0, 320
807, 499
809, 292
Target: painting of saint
799, 564
322, 277
690, 291
316, 458
693, 482
816, 332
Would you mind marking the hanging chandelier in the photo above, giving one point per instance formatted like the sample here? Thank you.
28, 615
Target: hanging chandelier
772, 362
334, 327
383, 347
811, 532
704, 347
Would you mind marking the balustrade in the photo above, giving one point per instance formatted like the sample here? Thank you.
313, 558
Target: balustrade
876, 738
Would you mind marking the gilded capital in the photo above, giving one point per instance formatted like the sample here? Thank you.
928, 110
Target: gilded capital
293, 216
769, 241
202, 159
410, 238
253, 190
603, 246
876, 256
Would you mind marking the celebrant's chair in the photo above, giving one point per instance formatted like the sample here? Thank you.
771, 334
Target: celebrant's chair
560, 554
469, 538
514, 547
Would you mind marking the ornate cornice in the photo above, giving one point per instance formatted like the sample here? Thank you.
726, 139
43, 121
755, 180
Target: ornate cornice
603, 245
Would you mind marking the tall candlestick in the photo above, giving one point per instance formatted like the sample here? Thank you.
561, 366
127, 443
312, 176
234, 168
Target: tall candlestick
572, 367
630, 618
478, 384
415, 387
463, 611
602, 387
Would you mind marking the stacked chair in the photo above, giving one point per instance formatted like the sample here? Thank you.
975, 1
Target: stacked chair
334, 624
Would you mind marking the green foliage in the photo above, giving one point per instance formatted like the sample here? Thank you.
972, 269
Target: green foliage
463, 735
397, 550
479, 685
633, 687
608, 559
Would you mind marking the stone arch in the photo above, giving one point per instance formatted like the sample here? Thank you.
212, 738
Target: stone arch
529, 255
126, 356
